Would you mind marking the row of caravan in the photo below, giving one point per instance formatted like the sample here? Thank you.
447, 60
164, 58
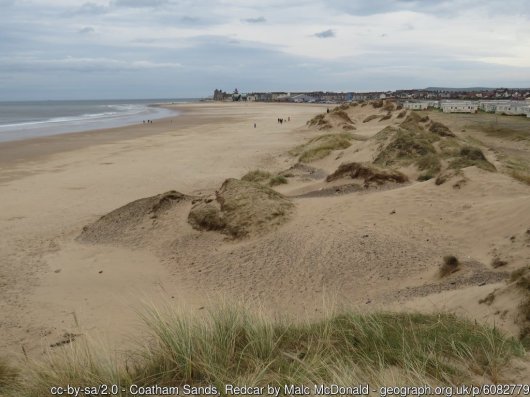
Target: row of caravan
512, 108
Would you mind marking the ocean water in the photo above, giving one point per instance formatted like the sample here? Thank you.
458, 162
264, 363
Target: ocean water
21, 120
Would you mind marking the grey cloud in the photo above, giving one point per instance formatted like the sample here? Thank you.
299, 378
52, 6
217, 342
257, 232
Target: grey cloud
254, 20
139, 3
326, 34
74, 64
87, 30
90, 9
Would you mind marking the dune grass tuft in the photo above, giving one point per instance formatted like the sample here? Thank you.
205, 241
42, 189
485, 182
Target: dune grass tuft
521, 176
256, 176
278, 180
368, 172
235, 346
469, 156
450, 265
8, 376
320, 146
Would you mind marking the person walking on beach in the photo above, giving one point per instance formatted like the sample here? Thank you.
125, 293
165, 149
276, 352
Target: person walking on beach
254, 125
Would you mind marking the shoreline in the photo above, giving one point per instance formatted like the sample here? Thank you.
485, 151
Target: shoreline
37, 148
50, 119
190, 114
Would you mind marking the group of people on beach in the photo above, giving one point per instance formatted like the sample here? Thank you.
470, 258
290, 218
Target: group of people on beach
148, 121
281, 120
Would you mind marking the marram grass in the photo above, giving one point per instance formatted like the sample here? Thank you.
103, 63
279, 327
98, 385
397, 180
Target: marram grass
239, 347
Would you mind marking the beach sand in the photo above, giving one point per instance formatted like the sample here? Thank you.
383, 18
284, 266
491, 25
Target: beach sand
371, 249
51, 187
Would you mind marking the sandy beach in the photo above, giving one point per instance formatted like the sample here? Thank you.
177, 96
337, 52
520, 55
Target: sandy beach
364, 248
51, 187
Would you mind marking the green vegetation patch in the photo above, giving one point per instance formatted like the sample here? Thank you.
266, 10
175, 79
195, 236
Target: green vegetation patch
320, 146
343, 115
471, 156
319, 121
440, 129
233, 346
430, 165
368, 172
406, 146
506, 127
256, 176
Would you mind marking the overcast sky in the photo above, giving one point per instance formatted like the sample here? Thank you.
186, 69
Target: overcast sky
68, 49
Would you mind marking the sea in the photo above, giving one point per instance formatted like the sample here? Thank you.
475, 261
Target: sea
30, 119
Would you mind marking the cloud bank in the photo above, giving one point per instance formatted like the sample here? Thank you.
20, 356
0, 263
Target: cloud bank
169, 48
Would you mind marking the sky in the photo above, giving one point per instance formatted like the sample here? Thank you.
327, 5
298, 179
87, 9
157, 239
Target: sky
103, 49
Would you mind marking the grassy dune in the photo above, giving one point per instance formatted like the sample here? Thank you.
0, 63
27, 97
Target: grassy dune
235, 346
320, 146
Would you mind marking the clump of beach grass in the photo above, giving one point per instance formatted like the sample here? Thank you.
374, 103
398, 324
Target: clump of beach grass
440, 129
521, 176
368, 172
342, 115
320, 146
430, 165
8, 376
256, 176
450, 265
520, 278
231, 345
320, 121
401, 114
471, 156
264, 177
278, 180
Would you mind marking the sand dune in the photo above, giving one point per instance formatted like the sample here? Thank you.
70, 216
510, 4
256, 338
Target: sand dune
355, 235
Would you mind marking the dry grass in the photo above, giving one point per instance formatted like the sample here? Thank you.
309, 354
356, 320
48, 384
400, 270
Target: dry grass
256, 176
389, 106
508, 129
405, 146
471, 156
321, 146
440, 129
430, 165
278, 180
446, 175
521, 279
8, 376
261, 176
342, 115
402, 114
320, 122
231, 345
497, 262
368, 172
450, 265
241, 209
521, 176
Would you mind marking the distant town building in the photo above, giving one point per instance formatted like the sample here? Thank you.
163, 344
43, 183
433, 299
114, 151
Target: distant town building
459, 107
416, 105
